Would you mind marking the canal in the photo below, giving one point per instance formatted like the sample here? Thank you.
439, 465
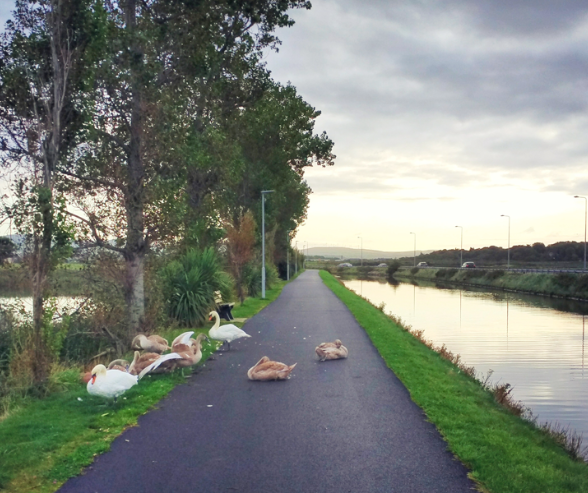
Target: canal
534, 343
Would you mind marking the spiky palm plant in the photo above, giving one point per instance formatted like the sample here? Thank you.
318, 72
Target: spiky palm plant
190, 284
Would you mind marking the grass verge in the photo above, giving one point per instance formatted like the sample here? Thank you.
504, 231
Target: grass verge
564, 285
505, 454
49, 440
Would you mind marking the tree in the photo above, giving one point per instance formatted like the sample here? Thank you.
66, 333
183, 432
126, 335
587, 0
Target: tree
240, 248
171, 69
38, 71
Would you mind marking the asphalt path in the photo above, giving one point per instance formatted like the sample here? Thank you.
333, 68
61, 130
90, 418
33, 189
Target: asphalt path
336, 426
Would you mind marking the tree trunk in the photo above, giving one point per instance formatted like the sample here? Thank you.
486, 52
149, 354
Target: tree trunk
135, 199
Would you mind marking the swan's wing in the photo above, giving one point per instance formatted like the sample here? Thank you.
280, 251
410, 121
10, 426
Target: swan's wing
158, 362
183, 338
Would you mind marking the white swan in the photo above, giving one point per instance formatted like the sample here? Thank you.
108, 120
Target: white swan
110, 383
227, 333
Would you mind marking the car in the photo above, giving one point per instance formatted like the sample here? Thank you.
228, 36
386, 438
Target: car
423, 264
382, 265
468, 265
345, 264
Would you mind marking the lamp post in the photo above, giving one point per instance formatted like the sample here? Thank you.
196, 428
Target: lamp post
361, 250
263, 194
461, 250
585, 222
508, 261
296, 258
414, 263
288, 256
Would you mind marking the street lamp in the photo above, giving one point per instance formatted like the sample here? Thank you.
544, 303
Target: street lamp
508, 261
263, 194
288, 256
296, 258
461, 251
414, 263
361, 250
585, 222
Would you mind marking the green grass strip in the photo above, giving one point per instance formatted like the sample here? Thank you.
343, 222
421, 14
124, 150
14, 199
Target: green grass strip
503, 452
49, 440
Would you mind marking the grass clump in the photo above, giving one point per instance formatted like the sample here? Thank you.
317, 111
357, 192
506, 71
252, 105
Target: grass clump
506, 454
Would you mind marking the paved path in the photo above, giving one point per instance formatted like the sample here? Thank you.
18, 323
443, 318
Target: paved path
338, 426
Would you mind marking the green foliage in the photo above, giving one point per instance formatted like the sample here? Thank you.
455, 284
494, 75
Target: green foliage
53, 333
492, 275
392, 268
414, 270
272, 277
252, 279
190, 283
445, 273
7, 249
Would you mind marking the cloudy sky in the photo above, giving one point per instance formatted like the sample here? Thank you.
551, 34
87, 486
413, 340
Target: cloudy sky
443, 114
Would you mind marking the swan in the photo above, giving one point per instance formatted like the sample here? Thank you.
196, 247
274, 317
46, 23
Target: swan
227, 333
119, 364
191, 353
265, 369
185, 355
142, 361
331, 350
151, 344
110, 383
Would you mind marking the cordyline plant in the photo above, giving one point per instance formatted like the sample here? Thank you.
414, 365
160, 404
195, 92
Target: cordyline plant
190, 283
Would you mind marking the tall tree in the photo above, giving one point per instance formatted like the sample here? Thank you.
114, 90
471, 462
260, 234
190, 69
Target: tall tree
165, 59
40, 49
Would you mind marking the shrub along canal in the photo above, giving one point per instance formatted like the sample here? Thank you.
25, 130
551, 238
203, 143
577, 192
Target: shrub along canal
534, 343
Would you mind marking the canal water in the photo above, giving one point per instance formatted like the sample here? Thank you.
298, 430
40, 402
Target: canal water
536, 344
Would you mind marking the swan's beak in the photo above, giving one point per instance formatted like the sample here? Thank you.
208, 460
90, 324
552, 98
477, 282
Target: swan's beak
209, 318
93, 379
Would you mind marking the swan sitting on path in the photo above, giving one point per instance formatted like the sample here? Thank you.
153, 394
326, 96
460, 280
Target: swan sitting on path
110, 383
331, 350
265, 369
227, 333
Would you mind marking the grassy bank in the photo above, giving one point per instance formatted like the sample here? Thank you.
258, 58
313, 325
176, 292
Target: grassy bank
46, 441
565, 285
504, 452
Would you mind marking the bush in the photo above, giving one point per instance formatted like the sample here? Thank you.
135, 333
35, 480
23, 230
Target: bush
190, 284
392, 268
252, 279
414, 270
564, 280
494, 274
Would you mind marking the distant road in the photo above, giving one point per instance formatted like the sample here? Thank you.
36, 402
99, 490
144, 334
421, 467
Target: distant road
338, 426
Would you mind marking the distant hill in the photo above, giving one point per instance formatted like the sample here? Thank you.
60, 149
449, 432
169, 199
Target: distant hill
346, 253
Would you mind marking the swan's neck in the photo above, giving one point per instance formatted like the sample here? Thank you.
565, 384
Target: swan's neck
216, 321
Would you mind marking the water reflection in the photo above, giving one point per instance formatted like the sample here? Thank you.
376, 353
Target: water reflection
534, 343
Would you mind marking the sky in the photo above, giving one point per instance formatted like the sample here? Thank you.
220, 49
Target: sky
443, 114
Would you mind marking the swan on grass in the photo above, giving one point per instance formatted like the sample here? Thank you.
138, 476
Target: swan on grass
226, 333
110, 383
151, 344
265, 370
